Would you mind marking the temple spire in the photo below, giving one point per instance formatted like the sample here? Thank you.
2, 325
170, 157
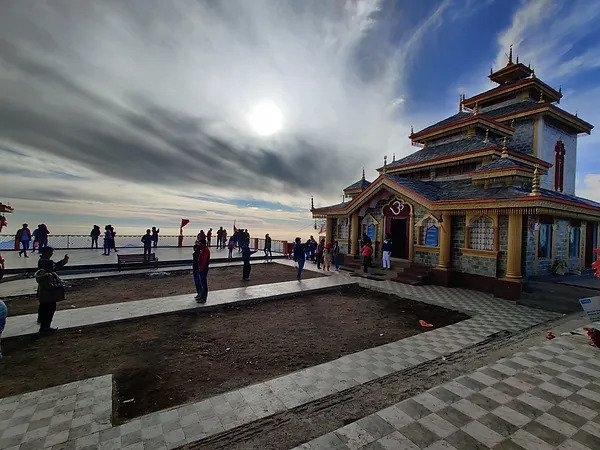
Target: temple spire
504, 149
363, 176
385, 164
487, 135
312, 203
393, 157
510, 61
535, 186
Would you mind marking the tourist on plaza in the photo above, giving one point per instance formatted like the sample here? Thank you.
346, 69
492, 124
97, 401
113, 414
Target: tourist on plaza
299, 257
113, 234
307, 250
201, 236
246, 252
36, 241
3, 314
203, 262
367, 253
107, 240
22, 239
319, 253
335, 255
50, 288
147, 241
219, 237
231, 246
224, 238
313, 249
155, 232
246, 236
208, 236
386, 249
95, 234
327, 257
195, 272
42, 236
267, 249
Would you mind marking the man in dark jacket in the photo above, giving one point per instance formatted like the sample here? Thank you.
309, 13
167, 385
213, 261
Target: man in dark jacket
246, 252
46, 279
203, 263
299, 257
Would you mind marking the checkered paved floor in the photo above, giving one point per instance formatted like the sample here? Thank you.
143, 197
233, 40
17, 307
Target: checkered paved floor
188, 423
545, 398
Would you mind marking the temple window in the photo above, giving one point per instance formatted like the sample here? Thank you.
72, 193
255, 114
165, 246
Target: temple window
481, 234
559, 166
545, 241
429, 233
574, 240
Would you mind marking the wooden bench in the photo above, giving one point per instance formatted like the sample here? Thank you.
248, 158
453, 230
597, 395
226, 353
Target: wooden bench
137, 261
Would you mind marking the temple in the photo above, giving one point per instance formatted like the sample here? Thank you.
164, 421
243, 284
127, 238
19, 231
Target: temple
490, 196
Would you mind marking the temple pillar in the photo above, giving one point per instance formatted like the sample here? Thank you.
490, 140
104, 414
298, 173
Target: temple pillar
328, 229
354, 234
445, 242
513, 263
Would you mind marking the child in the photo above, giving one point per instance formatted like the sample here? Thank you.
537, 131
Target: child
367, 253
147, 240
231, 246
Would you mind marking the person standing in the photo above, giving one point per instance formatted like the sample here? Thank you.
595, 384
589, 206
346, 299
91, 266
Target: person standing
386, 249
50, 290
320, 249
267, 250
208, 236
95, 234
43, 236
3, 314
22, 238
155, 232
147, 241
113, 234
203, 263
327, 257
335, 255
107, 240
36, 240
367, 253
219, 237
246, 252
195, 272
299, 257
224, 239
230, 247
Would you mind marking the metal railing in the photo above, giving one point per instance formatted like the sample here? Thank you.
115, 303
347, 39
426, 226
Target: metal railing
75, 241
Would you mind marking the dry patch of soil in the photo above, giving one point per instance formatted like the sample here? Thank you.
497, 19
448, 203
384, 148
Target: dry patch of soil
125, 288
172, 359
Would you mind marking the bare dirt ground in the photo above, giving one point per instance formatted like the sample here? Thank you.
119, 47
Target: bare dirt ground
125, 288
168, 360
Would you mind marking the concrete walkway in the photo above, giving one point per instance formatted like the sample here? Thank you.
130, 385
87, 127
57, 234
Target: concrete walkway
28, 420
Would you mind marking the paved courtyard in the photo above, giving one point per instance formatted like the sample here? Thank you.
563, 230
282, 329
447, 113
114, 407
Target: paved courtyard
552, 378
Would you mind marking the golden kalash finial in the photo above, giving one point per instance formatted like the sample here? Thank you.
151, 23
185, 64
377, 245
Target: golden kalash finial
476, 109
393, 157
532, 73
384, 163
504, 149
541, 100
535, 186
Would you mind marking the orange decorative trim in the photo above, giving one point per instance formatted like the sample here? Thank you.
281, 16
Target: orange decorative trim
480, 253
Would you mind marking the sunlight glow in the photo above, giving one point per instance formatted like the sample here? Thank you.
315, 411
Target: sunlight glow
266, 119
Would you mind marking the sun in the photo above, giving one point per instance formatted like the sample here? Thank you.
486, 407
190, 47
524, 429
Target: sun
266, 119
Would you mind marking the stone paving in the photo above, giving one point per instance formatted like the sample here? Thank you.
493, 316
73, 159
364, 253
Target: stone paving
191, 422
545, 398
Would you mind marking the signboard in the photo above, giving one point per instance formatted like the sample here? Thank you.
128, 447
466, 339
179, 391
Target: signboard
591, 306
371, 232
431, 236
396, 208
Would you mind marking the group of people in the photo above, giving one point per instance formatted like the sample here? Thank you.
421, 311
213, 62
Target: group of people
24, 236
150, 240
322, 254
366, 252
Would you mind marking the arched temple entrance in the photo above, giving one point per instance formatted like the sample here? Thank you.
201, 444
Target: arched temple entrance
397, 224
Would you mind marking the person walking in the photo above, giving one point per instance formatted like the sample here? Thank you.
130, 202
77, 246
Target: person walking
95, 234
155, 232
299, 257
246, 252
147, 241
386, 249
113, 234
36, 241
335, 255
327, 257
22, 239
367, 253
50, 289
267, 249
3, 314
43, 236
203, 263
107, 245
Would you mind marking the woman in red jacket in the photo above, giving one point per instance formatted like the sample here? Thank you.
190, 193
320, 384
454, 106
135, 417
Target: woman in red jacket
367, 253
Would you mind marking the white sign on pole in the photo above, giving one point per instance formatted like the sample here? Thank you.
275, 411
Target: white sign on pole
591, 306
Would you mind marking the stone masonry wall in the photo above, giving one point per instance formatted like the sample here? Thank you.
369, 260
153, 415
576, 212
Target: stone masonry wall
466, 263
529, 245
522, 139
426, 258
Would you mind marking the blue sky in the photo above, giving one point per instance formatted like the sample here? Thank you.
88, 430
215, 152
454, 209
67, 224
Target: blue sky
140, 113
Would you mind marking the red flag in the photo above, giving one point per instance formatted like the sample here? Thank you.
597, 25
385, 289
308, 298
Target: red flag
184, 222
